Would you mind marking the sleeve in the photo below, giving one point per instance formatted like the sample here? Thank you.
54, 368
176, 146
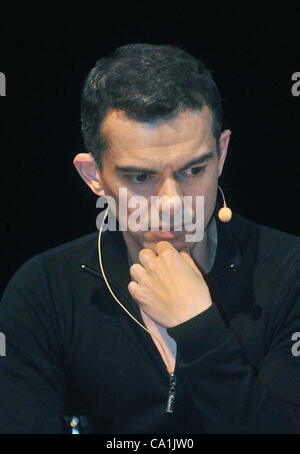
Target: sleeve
32, 381
230, 394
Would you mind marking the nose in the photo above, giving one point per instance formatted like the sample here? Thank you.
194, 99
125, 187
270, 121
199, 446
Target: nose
170, 198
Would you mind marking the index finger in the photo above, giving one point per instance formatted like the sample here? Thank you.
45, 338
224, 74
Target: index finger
164, 246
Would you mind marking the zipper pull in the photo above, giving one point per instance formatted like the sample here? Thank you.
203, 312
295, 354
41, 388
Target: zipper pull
171, 396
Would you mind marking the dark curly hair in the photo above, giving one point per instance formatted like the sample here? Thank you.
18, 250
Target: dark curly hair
150, 83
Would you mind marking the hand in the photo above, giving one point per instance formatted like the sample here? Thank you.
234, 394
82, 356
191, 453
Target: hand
168, 286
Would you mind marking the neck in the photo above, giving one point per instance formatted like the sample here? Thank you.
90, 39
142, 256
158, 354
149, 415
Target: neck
203, 252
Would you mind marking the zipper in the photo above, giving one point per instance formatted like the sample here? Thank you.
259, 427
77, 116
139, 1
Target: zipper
171, 395
172, 376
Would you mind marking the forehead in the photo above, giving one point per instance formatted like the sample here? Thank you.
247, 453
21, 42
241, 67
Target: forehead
133, 141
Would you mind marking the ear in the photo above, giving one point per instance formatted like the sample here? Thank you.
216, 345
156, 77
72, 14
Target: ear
223, 147
89, 172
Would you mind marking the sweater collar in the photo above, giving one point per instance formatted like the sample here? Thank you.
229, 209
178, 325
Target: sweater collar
115, 259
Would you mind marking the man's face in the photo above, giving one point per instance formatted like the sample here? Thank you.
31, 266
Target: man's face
176, 158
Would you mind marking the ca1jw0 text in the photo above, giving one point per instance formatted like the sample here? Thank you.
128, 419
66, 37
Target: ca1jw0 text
171, 443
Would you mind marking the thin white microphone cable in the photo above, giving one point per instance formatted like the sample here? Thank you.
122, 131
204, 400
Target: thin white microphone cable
114, 296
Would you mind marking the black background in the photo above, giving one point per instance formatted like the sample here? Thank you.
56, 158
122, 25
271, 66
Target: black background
46, 52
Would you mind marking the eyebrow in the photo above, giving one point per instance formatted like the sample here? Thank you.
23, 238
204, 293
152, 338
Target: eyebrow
192, 162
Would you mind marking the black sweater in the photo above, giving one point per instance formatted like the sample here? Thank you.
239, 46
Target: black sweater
72, 350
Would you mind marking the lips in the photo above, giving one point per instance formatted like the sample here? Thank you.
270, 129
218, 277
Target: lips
166, 234
170, 228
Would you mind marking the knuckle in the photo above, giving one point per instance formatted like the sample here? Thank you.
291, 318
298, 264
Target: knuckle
134, 269
133, 289
142, 253
168, 254
152, 265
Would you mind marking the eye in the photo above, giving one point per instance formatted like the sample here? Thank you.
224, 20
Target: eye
194, 170
139, 178
191, 172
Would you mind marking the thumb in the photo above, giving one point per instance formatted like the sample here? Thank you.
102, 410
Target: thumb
186, 255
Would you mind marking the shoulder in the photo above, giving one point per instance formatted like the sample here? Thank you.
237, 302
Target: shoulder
57, 261
269, 243
75, 248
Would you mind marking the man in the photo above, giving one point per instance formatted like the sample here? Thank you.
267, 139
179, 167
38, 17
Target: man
205, 342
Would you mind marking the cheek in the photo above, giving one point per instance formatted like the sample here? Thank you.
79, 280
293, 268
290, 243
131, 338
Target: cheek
127, 203
210, 202
210, 195
207, 188
111, 185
